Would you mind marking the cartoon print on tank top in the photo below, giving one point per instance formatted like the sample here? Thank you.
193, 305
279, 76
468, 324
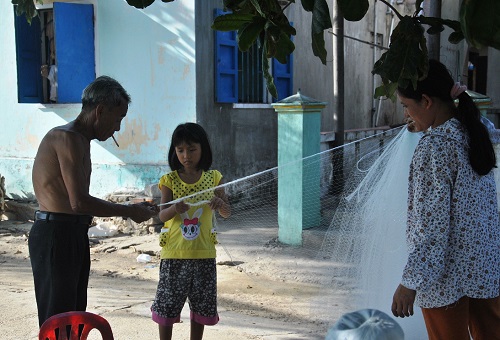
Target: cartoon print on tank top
190, 227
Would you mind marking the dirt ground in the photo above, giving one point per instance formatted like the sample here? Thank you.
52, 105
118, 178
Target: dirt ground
122, 289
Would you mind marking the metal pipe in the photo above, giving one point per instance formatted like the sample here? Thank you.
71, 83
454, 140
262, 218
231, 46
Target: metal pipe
374, 84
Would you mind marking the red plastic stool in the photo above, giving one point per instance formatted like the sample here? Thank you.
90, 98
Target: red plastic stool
75, 320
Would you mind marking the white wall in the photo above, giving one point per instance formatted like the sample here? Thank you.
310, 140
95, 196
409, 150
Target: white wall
493, 85
151, 53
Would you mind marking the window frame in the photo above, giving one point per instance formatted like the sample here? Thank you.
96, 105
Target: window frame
227, 76
75, 58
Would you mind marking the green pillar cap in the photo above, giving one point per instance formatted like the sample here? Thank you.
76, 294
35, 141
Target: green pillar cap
298, 100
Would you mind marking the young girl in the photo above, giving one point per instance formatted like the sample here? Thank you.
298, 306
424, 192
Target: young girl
453, 231
187, 268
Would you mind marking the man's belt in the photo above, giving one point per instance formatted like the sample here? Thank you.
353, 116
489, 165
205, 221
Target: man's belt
59, 217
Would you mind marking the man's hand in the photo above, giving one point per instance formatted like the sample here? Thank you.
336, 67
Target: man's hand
402, 301
143, 211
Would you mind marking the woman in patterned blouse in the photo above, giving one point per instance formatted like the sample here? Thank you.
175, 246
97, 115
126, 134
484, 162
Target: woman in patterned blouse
453, 233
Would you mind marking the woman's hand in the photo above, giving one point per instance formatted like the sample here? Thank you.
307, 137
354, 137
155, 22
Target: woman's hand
402, 301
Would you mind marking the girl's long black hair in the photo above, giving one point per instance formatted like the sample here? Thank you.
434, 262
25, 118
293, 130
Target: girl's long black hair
438, 83
190, 133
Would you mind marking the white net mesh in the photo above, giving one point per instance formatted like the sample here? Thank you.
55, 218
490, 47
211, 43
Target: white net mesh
347, 209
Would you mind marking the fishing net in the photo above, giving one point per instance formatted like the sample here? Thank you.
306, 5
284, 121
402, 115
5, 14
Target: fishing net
327, 241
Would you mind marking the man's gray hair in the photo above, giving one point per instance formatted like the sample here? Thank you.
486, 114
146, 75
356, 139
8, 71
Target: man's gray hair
104, 90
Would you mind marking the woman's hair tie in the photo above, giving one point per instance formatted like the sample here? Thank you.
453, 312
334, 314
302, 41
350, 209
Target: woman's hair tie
457, 90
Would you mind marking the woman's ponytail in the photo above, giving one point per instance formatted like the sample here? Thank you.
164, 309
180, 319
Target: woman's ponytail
481, 153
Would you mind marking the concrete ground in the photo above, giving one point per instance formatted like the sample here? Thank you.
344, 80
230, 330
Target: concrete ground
121, 290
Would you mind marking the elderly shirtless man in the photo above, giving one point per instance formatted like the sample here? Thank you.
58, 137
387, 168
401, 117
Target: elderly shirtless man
58, 241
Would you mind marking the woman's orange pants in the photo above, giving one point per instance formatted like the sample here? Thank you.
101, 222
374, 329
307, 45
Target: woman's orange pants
479, 316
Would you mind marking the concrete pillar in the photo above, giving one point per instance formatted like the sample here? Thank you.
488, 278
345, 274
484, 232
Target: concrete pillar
299, 122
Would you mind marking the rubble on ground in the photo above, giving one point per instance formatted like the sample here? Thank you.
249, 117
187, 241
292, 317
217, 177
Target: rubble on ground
24, 210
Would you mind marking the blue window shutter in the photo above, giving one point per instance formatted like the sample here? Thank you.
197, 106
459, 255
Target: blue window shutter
74, 36
283, 77
29, 55
226, 65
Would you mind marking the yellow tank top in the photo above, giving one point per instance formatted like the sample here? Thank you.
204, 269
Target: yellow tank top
191, 234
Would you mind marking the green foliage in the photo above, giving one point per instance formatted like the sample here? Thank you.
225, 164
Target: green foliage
353, 10
231, 22
405, 61
264, 23
140, 3
271, 87
320, 22
249, 32
26, 7
143, 3
480, 22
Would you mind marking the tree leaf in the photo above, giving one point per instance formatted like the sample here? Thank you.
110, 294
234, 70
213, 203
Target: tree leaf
231, 22
453, 24
318, 46
26, 7
456, 37
239, 6
307, 5
480, 21
249, 32
321, 20
436, 29
280, 20
406, 60
140, 3
265, 71
418, 5
435, 23
353, 10
256, 5
284, 47
386, 90
432, 21
286, 27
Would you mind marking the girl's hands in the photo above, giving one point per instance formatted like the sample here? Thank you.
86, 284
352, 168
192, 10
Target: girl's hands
181, 207
172, 210
216, 203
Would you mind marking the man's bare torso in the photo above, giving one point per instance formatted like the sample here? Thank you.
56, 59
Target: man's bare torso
62, 154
